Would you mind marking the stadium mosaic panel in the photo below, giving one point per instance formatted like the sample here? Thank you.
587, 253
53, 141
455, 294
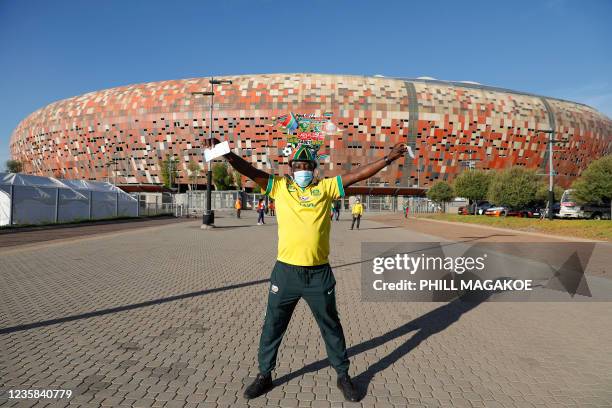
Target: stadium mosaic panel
448, 124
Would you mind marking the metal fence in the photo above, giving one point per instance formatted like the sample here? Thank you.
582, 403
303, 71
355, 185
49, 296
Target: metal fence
422, 205
194, 202
157, 204
152, 209
380, 203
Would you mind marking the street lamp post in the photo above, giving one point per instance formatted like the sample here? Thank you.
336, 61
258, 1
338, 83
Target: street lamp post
417, 150
551, 194
208, 219
113, 162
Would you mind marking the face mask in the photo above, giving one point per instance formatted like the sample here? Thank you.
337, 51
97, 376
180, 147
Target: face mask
302, 177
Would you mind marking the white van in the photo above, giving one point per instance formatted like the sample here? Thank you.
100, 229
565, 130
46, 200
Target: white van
568, 207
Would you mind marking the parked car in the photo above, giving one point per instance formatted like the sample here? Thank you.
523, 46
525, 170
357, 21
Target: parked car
502, 212
482, 206
556, 209
530, 212
596, 211
462, 210
571, 209
496, 211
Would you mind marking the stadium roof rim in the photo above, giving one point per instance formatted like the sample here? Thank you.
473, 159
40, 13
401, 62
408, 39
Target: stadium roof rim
455, 83
489, 88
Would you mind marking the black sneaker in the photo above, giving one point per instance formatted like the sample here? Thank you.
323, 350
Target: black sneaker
261, 385
348, 389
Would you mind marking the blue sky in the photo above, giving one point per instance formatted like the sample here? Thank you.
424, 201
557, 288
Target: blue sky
51, 50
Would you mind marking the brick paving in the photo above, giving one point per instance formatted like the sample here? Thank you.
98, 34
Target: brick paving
170, 317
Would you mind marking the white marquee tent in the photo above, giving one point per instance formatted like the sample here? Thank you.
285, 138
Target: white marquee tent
26, 199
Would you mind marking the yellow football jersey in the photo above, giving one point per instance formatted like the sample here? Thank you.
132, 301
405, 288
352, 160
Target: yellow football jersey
303, 218
357, 209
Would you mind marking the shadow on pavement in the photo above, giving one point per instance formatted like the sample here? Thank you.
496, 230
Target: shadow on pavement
7, 330
226, 227
374, 228
425, 326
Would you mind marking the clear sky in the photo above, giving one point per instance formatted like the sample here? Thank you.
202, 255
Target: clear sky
55, 49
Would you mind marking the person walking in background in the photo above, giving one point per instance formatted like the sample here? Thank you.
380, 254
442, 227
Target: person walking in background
261, 210
333, 210
357, 211
238, 207
336, 210
272, 207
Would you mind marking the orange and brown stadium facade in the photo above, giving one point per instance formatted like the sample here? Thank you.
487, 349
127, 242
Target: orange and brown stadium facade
122, 133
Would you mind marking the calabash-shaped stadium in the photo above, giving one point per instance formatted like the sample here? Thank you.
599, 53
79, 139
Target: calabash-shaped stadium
449, 125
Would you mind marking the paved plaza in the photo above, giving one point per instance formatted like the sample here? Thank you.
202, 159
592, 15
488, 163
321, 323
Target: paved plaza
169, 315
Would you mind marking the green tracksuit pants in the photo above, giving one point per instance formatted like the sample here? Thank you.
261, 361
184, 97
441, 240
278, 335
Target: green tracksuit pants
316, 284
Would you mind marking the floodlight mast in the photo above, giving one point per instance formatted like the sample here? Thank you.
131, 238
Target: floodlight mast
551, 194
208, 219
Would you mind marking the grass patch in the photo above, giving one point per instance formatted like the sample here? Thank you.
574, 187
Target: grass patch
590, 229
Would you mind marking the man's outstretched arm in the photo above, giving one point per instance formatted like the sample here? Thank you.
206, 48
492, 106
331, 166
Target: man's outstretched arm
243, 167
370, 169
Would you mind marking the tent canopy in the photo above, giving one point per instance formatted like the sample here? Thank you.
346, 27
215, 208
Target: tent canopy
18, 179
36, 200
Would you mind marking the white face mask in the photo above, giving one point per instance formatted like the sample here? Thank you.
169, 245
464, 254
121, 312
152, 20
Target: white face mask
303, 177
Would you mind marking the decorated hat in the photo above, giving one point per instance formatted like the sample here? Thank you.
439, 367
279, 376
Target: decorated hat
303, 153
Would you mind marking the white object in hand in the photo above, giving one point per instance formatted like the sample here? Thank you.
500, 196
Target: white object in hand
217, 151
410, 153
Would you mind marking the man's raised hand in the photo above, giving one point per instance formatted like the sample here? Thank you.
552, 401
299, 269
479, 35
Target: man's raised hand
208, 143
398, 150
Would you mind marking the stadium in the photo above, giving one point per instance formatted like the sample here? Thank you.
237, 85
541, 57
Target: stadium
121, 134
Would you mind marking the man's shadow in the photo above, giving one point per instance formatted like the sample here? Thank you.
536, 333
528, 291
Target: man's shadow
425, 326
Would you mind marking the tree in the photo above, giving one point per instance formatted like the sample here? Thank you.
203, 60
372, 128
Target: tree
441, 193
595, 183
222, 178
14, 166
194, 173
472, 184
238, 180
541, 195
515, 187
168, 170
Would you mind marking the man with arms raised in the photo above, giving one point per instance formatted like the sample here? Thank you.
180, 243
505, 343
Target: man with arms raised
302, 268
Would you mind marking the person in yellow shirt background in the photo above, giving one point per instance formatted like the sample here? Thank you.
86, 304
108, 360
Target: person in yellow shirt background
238, 207
357, 211
303, 204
